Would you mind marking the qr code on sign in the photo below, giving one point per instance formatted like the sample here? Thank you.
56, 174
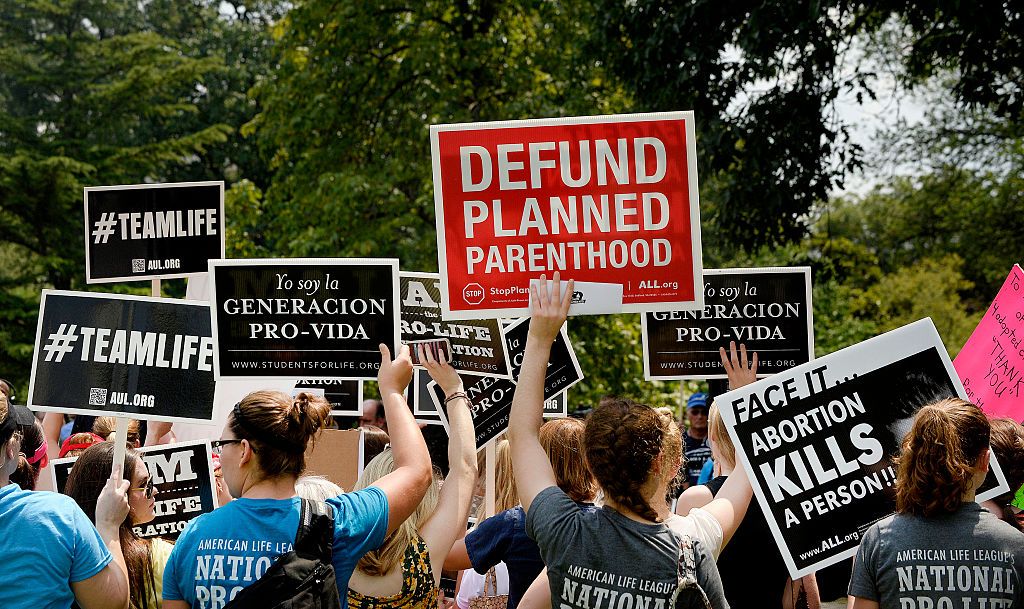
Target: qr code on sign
97, 397
138, 265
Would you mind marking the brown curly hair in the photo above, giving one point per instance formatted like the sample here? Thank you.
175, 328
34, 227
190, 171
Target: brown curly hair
623, 439
1008, 446
936, 463
279, 428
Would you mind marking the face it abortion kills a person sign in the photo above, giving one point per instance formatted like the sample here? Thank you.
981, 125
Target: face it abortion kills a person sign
609, 201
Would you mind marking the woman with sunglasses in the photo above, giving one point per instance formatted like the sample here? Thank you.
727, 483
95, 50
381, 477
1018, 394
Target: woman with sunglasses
262, 455
144, 558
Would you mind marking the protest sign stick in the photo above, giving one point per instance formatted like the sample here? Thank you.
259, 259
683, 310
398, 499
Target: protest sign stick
491, 456
154, 288
120, 446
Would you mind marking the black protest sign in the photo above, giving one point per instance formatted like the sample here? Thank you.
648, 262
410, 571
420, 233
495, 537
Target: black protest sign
818, 441
477, 346
183, 483
563, 367
152, 231
767, 309
491, 400
113, 354
345, 396
288, 318
424, 409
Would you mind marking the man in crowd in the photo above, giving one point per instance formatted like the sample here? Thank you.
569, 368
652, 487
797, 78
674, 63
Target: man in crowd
696, 445
373, 415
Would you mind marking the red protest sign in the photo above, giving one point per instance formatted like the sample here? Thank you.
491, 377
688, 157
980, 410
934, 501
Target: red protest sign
605, 200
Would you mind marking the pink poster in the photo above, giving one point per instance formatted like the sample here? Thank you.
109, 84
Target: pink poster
991, 364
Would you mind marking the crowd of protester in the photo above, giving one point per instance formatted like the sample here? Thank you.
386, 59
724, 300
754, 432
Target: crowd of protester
587, 513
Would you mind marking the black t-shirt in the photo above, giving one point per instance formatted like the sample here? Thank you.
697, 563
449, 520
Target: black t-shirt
753, 572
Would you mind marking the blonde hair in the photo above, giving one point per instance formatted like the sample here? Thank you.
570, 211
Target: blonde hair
385, 558
316, 488
506, 495
105, 427
720, 436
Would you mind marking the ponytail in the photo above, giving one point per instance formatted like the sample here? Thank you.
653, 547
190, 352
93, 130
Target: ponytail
936, 464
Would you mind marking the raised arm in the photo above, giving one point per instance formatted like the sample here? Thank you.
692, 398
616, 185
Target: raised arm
730, 505
405, 486
529, 461
448, 523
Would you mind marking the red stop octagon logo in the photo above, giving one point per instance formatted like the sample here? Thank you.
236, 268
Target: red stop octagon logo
473, 293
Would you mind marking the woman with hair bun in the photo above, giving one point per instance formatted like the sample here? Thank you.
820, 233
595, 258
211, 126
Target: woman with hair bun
940, 549
262, 455
625, 554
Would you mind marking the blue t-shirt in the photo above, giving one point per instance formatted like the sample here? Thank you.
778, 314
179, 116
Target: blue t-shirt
503, 538
224, 551
47, 543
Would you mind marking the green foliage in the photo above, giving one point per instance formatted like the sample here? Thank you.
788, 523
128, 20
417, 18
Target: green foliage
344, 120
88, 95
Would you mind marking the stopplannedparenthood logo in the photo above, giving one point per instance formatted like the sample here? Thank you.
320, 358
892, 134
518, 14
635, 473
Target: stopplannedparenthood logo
152, 230
473, 293
112, 354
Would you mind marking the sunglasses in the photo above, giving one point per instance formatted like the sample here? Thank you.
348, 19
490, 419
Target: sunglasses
217, 444
148, 488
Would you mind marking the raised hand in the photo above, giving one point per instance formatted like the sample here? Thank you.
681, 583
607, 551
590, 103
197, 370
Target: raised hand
440, 370
549, 308
394, 376
740, 373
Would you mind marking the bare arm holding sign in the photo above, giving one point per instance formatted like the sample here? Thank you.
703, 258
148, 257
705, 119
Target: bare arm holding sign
529, 461
405, 486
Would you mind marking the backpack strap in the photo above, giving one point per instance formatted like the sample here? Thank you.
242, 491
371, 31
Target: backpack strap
686, 572
315, 535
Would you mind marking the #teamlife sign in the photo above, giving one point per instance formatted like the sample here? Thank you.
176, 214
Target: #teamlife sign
818, 440
991, 364
120, 355
768, 309
606, 200
478, 346
294, 318
182, 477
151, 231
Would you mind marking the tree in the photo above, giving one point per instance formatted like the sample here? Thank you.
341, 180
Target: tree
763, 76
87, 96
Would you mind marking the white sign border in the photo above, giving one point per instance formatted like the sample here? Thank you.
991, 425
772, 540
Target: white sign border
696, 252
298, 262
89, 279
895, 345
806, 270
104, 413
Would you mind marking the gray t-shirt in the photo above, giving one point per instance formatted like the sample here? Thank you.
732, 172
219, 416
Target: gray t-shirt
599, 559
966, 560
